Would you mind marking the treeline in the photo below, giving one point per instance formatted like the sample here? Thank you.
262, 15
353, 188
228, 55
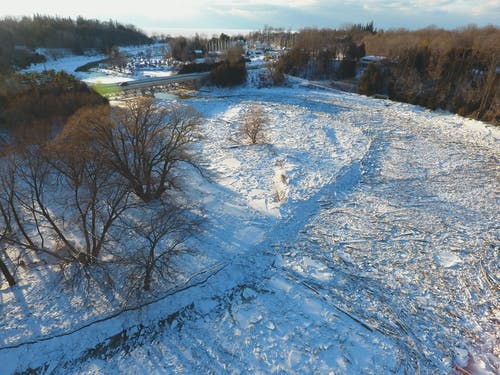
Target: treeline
324, 53
183, 49
274, 36
34, 101
457, 70
188, 49
20, 36
229, 71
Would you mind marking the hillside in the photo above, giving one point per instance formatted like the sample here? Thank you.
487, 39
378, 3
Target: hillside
362, 237
454, 70
21, 36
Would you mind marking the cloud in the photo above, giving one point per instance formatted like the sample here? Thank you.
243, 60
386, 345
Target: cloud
487, 7
451, 7
252, 14
260, 3
296, 14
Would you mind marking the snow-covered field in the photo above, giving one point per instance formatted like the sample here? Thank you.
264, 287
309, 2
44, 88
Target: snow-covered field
61, 59
362, 237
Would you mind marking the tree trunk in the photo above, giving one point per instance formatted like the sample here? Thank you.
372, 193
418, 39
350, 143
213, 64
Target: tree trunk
149, 273
7, 274
147, 280
488, 90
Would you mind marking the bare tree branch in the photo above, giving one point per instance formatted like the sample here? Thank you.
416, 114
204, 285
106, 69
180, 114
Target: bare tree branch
253, 124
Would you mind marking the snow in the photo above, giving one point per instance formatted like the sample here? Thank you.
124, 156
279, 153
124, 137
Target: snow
65, 61
362, 237
61, 59
153, 73
94, 78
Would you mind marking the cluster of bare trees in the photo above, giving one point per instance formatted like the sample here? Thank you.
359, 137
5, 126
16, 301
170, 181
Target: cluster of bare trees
97, 193
324, 53
457, 70
31, 100
185, 49
276, 37
231, 71
393, 43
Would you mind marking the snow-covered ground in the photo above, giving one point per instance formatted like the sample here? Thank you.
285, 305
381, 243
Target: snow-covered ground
362, 237
61, 59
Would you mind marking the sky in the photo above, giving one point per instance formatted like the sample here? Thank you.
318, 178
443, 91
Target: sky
160, 15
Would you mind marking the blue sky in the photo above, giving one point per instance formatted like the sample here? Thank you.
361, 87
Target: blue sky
254, 14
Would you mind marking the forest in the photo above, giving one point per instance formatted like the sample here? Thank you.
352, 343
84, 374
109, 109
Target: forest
455, 70
21, 36
458, 71
32, 100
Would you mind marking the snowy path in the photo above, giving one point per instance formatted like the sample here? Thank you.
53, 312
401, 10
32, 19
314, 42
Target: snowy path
381, 257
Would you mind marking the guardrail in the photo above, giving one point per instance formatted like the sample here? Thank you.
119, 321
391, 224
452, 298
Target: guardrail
148, 82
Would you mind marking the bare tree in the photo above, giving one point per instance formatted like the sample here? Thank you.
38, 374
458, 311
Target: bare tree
63, 200
23, 182
488, 93
4, 230
160, 229
145, 141
276, 73
253, 124
234, 54
116, 58
97, 195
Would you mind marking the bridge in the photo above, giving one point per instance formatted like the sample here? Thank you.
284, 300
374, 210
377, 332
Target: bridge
149, 83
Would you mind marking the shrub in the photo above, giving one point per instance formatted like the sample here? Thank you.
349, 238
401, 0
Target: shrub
372, 81
229, 74
197, 68
277, 73
43, 97
347, 69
